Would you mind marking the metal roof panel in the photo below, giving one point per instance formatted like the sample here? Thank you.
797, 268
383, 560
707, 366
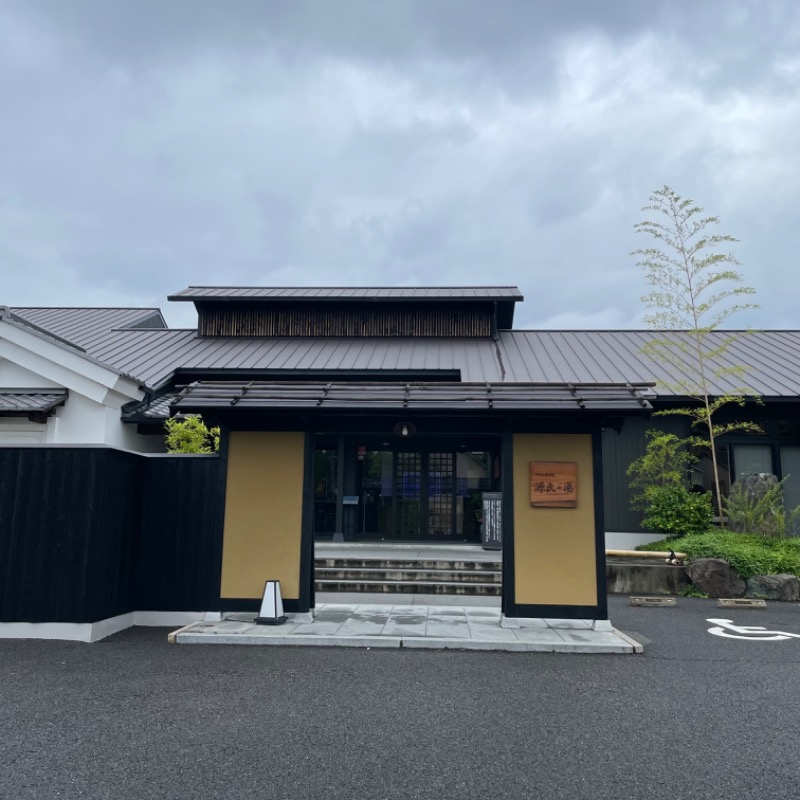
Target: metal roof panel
347, 293
773, 357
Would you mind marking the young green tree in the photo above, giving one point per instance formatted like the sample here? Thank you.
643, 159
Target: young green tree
660, 486
694, 290
666, 462
190, 435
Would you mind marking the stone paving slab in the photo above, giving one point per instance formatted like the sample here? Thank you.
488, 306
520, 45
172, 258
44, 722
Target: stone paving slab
429, 627
419, 599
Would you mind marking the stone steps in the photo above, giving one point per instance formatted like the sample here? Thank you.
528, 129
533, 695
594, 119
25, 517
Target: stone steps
403, 574
418, 576
397, 563
410, 587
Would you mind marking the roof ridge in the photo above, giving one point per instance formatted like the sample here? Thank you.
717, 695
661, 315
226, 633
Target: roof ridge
647, 330
85, 308
463, 286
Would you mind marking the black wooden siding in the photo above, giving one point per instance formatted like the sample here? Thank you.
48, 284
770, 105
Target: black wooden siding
68, 521
91, 533
178, 552
619, 451
344, 320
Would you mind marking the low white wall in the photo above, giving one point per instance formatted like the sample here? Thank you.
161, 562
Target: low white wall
94, 631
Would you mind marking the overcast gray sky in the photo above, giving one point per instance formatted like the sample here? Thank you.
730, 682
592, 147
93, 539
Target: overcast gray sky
147, 145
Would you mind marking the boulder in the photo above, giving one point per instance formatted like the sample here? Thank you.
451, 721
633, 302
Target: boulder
716, 577
774, 587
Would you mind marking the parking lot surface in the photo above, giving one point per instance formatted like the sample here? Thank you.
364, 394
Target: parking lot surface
696, 716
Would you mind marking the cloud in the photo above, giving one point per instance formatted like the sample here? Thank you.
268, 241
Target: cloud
148, 146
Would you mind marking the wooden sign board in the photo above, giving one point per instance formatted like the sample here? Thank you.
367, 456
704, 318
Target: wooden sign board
554, 484
492, 524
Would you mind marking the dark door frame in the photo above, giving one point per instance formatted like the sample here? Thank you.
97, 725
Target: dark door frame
424, 446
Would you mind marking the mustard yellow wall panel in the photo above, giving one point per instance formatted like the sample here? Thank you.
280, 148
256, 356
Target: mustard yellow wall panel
263, 513
554, 548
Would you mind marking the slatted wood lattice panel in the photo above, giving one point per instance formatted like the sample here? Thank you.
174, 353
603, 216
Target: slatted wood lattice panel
346, 320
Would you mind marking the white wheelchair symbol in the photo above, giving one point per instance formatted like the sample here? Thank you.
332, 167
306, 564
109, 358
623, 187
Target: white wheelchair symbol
751, 633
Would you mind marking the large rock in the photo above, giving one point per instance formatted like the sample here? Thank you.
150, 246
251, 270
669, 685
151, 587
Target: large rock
774, 587
716, 577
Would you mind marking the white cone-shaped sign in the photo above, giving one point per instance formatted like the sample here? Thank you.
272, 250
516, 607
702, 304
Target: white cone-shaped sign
271, 605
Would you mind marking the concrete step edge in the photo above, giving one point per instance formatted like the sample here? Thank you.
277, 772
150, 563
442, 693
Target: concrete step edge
436, 573
421, 563
406, 584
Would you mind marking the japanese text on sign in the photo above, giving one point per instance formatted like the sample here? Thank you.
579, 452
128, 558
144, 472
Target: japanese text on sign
554, 484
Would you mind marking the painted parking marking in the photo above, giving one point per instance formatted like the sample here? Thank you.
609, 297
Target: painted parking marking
750, 633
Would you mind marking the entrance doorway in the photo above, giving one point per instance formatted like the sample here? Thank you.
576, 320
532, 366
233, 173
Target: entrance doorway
379, 491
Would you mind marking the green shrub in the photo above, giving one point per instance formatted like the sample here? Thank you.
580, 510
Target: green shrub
190, 435
749, 554
677, 511
762, 514
666, 463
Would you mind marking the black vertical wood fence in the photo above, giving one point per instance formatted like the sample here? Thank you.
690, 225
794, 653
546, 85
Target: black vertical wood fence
90, 533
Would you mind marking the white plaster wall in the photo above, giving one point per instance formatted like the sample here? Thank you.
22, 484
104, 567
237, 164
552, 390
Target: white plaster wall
13, 376
83, 421
125, 435
15, 430
79, 421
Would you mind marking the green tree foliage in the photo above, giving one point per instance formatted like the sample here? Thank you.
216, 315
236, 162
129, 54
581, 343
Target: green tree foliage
676, 511
660, 485
694, 291
190, 435
666, 463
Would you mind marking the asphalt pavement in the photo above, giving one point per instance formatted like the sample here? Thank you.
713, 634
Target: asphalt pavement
697, 716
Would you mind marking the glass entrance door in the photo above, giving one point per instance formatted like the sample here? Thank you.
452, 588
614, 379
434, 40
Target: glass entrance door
409, 496
440, 484
431, 493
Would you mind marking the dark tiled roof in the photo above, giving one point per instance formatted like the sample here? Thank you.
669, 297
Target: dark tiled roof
352, 293
772, 357
256, 395
152, 355
88, 328
147, 409
26, 401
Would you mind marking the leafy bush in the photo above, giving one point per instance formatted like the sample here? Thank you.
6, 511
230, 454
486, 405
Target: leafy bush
665, 463
749, 554
660, 485
763, 514
677, 511
190, 435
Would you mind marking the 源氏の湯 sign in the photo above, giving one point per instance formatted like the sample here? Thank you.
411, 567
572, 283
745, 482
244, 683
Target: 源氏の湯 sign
554, 484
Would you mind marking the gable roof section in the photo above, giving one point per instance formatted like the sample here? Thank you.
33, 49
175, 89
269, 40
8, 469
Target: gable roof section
88, 328
55, 359
581, 357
